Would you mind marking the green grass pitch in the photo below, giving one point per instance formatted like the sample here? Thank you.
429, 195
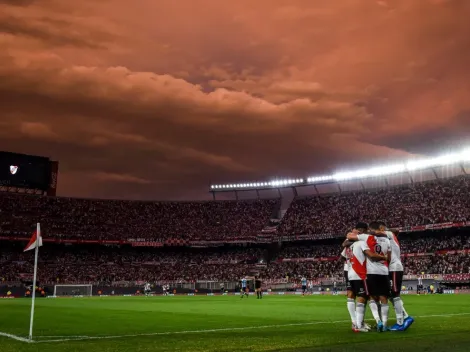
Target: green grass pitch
228, 323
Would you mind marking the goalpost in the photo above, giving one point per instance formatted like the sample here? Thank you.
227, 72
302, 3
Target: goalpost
73, 290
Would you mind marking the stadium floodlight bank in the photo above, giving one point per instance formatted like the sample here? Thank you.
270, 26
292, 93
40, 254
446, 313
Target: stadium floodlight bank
73, 290
385, 170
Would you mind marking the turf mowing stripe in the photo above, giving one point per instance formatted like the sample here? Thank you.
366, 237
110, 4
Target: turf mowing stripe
220, 330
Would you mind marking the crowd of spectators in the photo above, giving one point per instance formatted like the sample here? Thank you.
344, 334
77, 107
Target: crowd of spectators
424, 203
319, 217
67, 264
105, 264
437, 264
428, 244
120, 220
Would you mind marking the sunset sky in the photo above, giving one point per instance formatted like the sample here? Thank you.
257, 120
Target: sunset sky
155, 99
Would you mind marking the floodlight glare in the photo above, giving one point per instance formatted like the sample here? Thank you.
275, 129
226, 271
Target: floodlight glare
411, 165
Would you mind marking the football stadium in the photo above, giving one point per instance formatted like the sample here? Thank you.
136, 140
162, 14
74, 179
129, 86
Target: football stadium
261, 274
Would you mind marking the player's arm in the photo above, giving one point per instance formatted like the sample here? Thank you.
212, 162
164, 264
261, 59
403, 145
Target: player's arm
378, 233
389, 256
352, 236
347, 243
374, 256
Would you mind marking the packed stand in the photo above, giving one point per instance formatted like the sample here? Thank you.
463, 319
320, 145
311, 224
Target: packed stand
428, 244
440, 264
423, 203
104, 264
59, 264
120, 220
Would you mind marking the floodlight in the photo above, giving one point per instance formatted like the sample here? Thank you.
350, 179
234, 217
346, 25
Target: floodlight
465, 155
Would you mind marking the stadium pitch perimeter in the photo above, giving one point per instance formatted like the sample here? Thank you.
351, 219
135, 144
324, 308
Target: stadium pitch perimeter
226, 323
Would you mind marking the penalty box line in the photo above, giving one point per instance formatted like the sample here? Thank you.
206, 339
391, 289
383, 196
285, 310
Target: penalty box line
166, 333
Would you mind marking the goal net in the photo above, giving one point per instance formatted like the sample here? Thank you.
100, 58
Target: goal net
73, 290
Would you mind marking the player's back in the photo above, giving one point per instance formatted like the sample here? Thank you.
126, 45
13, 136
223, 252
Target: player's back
395, 260
358, 263
378, 245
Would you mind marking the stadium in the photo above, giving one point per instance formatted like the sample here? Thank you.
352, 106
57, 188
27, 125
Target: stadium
98, 256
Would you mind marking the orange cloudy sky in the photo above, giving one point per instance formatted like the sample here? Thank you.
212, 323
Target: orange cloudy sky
154, 99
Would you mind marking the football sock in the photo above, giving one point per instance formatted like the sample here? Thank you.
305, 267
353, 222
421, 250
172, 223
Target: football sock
398, 305
360, 310
352, 309
375, 311
405, 314
384, 310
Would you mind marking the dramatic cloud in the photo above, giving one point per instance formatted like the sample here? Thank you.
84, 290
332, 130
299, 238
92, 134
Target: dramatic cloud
159, 99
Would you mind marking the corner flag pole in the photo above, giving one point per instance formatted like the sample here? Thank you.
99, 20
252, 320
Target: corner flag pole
36, 252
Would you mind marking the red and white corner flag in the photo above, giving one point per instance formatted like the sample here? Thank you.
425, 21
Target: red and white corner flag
35, 241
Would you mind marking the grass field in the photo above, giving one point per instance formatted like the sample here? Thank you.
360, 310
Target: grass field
227, 323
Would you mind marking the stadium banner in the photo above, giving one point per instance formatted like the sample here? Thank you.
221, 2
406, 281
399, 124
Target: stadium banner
247, 240
461, 251
204, 244
456, 277
319, 259
417, 254
54, 167
147, 244
423, 277
220, 262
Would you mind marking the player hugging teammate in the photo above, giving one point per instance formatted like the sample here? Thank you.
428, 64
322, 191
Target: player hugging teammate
375, 275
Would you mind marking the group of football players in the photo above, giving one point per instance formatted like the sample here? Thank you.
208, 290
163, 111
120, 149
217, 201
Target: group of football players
373, 273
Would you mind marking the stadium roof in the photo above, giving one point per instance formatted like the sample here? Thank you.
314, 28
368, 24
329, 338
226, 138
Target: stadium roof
409, 166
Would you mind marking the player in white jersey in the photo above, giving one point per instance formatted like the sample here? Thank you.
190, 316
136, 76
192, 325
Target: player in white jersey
357, 275
347, 255
396, 280
377, 273
147, 288
244, 287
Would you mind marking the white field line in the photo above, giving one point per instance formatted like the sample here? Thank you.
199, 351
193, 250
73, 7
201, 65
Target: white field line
15, 337
69, 336
81, 338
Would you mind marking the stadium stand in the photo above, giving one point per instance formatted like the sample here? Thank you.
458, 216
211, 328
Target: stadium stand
431, 202
105, 265
116, 219
325, 219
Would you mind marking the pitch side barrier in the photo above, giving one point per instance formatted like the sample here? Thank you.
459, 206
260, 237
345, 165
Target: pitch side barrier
317, 288
266, 293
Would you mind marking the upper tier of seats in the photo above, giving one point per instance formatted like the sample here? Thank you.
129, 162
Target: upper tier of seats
117, 219
446, 200
440, 201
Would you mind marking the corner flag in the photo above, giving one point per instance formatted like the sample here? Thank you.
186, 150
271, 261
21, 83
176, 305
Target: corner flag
35, 241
